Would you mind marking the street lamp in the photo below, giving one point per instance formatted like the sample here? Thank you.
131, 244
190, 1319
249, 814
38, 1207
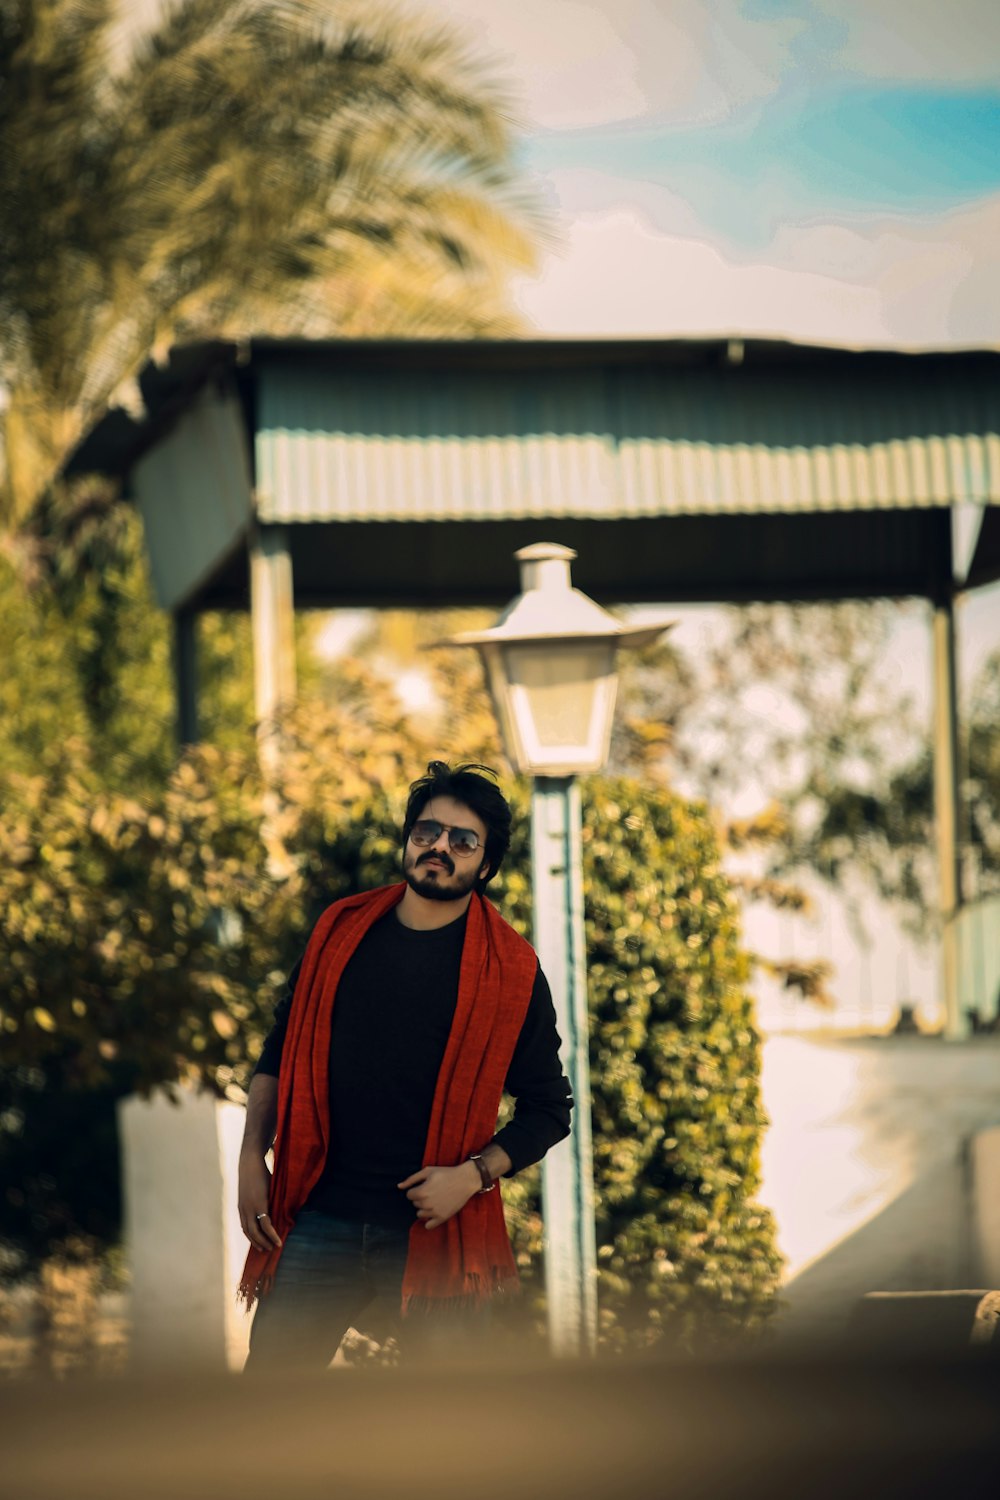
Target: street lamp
550, 666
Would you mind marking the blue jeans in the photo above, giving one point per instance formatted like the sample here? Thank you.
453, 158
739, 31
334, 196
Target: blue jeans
330, 1272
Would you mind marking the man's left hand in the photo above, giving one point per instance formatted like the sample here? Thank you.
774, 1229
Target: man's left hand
439, 1192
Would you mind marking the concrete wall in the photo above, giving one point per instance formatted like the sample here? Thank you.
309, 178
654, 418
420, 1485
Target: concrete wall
985, 1164
868, 1167
182, 1232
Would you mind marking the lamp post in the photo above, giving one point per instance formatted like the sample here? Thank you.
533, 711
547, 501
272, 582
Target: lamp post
550, 667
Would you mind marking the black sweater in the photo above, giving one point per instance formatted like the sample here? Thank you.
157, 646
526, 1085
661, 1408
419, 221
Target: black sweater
391, 1020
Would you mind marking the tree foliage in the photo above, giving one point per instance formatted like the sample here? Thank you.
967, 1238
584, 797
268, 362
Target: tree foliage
808, 711
796, 696
122, 969
292, 166
892, 819
684, 1252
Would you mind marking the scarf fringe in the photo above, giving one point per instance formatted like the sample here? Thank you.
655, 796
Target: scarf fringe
252, 1287
478, 1290
248, 1292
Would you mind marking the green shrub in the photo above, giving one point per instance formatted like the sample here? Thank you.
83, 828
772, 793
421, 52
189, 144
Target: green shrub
133, 957
144, 945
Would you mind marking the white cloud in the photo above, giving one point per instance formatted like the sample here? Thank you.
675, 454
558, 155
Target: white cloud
583, 191
640, 264
581, 63
621, 276
956, 43
568, 62
936, 277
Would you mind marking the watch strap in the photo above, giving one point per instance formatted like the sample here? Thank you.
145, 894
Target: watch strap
484, 1173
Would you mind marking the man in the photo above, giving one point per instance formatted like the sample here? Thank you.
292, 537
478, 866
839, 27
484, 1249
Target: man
412, 1009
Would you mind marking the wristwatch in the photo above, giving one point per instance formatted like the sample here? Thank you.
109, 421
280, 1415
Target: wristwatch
484, 1172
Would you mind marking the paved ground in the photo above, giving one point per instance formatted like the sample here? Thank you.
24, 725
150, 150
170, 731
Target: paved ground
613, 1431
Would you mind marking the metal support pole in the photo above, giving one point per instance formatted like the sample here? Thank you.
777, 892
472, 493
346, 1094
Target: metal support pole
186, 676
567, 1172
272, 610
946, 812
272, 614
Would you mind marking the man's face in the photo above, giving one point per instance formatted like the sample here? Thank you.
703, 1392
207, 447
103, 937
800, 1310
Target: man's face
434, 872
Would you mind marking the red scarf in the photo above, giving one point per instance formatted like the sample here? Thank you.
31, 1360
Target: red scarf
468, 1258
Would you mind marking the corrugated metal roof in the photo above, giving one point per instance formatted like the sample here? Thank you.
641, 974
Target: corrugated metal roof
620, 440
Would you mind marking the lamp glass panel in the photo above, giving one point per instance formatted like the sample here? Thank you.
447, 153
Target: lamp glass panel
559, 685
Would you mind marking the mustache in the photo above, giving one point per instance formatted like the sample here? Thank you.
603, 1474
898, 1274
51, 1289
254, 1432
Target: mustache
442, 858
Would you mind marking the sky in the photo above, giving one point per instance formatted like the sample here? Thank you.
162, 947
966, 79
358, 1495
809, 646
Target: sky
822, 170
817, 169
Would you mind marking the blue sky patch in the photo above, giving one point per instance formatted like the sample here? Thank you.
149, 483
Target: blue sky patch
806, 153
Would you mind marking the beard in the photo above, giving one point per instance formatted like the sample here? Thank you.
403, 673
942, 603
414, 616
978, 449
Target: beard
439, 885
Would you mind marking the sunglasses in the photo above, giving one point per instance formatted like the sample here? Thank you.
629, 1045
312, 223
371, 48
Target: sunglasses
461, 841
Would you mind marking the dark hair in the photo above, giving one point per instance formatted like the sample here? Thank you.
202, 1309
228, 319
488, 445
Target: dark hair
468, 784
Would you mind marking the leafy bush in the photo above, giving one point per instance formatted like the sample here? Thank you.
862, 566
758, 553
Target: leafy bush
144, 945
684, 1253
133, 956
675, 1060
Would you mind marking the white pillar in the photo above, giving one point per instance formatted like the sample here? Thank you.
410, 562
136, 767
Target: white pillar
272, 609
946, 811
567, 1171
183, 1239
984, 1161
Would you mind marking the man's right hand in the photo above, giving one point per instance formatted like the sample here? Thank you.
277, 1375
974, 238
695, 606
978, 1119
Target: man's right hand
254, 1194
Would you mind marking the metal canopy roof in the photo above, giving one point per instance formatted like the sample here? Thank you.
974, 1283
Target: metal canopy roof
352, 442
687, 469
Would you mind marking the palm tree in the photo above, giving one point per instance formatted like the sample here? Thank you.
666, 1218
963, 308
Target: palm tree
279, 166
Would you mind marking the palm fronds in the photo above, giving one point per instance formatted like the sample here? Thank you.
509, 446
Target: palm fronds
285, 167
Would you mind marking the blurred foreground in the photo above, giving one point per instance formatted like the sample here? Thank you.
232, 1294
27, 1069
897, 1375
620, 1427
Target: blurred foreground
742, 1429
